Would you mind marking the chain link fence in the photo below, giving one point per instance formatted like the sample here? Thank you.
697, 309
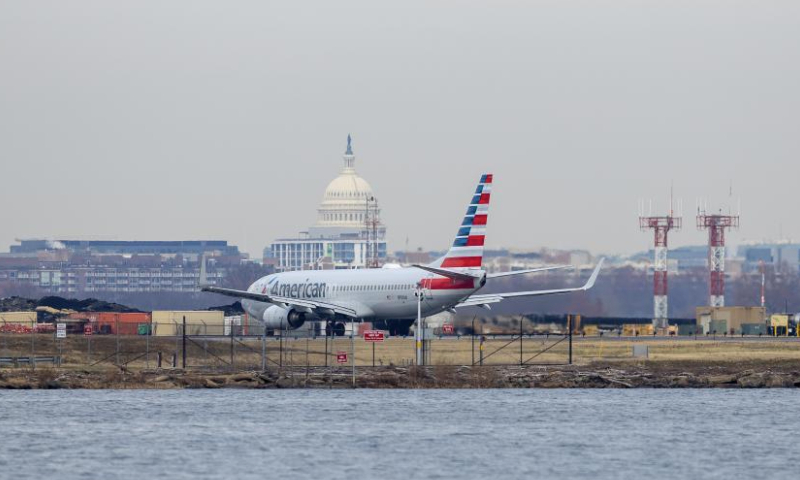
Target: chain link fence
240, 347
236, 347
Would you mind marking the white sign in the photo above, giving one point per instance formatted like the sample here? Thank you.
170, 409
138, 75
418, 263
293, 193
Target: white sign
61, 330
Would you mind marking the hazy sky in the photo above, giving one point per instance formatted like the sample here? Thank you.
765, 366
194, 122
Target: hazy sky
226, 120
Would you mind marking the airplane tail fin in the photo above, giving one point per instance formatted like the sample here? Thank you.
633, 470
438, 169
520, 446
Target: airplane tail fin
467, 249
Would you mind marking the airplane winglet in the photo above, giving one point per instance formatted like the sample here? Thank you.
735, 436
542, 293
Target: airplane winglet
593, 277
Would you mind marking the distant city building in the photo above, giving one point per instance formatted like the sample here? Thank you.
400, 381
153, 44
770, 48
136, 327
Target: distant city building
78, 266
125, 247
348, 232
779, 254
680, 258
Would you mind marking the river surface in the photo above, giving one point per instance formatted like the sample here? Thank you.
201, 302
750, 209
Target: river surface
399, 434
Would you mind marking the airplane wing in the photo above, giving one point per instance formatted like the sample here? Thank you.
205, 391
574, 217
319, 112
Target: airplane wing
489, 298
520, 272
302, 303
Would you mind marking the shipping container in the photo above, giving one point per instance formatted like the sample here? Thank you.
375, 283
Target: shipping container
18, 322
718, 327
204, 322
28, 318
591, 330
687, 329
123, 323
637, 329
754, 328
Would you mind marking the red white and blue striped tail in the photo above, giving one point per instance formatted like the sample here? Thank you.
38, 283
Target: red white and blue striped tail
467, 249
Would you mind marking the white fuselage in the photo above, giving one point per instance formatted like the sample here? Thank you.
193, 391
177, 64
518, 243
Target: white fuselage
375, 294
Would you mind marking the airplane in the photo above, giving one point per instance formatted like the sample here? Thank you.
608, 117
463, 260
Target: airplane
289, 299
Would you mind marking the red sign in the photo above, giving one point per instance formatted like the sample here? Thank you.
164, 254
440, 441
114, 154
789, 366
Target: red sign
448, 329
373, 336
341, 357
87, 330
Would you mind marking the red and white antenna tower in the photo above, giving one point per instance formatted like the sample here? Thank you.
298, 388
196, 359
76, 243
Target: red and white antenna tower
716, 224
661, 225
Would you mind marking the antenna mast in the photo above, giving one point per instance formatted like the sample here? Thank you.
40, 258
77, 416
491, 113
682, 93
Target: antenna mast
661, 225
716, 224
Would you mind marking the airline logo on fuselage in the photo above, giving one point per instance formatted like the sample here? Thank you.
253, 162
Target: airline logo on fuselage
298, 290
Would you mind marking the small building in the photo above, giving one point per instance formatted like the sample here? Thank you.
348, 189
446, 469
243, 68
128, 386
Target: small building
732, 320
169, 323
18, 318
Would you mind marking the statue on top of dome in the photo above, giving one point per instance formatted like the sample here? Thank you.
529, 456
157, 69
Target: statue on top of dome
349, 148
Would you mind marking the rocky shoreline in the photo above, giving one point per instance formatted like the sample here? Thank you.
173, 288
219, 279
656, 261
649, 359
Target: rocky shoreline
616, 375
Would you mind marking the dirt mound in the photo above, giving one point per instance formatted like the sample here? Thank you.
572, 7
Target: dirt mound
18, 304
230, 310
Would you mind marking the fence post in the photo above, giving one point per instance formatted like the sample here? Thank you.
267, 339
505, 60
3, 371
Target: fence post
231, 330
33, 346
183, 350
569, 327
472, 347
116, 326
264, 350
520, 340
5, 341
147, 346
353, 348
177, 339
481, 345
327, 328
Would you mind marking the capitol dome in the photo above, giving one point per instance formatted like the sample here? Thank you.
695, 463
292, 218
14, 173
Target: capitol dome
344, 203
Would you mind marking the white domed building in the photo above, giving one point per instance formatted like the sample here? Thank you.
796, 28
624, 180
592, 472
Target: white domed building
348, 232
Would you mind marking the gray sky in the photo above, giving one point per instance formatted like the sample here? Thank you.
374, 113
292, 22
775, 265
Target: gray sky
226, 120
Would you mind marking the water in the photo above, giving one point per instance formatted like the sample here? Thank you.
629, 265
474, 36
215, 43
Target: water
399, 434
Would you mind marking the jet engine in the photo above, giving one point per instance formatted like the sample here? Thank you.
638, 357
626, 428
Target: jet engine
334, 329
277, 318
